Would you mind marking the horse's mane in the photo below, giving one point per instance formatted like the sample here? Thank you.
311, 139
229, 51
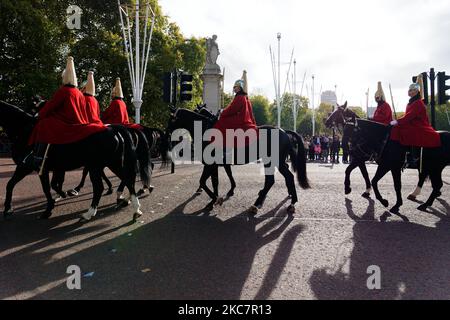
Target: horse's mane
370, 123
14, 110
192, 113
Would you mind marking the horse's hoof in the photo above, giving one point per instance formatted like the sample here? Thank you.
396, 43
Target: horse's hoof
230, 193
109, 192
439, 194
395, 210
199, 190
423, 208
46, 215
150, 189
253, 210
385, 203
122, 203
140, 193
385, 216
8, 214
137, 215
72, 193
366, 195
348, 191
291, 209
210, 206
219, 202
412, 197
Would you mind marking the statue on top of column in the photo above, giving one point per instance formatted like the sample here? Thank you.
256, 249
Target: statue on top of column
212, 52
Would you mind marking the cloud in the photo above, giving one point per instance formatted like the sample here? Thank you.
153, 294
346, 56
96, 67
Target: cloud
349, 43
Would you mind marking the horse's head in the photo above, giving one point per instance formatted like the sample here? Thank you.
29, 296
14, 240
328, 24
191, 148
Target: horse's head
185, 119
15, 121
337, 117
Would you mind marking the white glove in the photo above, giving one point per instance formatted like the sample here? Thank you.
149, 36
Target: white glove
394, 123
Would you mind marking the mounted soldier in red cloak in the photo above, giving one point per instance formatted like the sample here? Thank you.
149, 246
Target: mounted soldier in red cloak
117, 112
414, 128
92, 105
64, 119
383, 113
238, 115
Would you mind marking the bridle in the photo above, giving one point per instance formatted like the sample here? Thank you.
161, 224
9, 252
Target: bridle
353, 121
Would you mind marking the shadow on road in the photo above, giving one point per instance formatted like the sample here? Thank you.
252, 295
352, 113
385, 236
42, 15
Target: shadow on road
175, 257
413, 259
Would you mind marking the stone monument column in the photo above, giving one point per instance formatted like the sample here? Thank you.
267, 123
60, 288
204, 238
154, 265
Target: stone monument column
212, 77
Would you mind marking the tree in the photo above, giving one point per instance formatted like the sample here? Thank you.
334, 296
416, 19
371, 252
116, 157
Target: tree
261, 109
442, 117
34, 33
359, 111
287, 115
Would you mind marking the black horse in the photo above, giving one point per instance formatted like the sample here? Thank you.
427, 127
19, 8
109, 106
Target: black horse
112, 148
371, 137
201, 109
149, 143
358, 158
185, 119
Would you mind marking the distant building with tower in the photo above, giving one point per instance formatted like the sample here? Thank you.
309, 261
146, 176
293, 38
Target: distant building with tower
329, 97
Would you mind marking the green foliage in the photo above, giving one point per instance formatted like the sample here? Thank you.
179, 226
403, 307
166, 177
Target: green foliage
261, 109
36, 41
227, 99
442, 117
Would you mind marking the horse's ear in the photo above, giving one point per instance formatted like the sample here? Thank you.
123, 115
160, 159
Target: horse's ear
345, 105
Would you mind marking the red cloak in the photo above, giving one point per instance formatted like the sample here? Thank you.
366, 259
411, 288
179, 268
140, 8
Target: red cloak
117, 113
414, 128
238, 115
93, 109
383, 114
64, 119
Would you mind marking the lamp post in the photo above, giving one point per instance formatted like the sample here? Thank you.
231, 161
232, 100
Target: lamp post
138, 58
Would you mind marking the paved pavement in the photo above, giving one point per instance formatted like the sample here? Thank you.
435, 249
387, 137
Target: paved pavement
179, 251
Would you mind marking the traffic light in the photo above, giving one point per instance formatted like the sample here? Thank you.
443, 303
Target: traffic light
442, 78
186, 87
425, 86
167, 87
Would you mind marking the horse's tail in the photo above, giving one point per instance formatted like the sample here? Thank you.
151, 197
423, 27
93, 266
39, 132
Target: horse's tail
165, 148
163, 145
299, 160
129, 157
143, 157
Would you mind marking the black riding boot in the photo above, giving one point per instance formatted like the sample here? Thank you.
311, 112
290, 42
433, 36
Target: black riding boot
36, 157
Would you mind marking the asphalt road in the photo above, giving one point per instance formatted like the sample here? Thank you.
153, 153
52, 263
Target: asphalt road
179, 251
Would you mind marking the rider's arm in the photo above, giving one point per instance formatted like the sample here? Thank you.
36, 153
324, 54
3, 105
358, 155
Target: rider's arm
411, 114
234, 108
56, 101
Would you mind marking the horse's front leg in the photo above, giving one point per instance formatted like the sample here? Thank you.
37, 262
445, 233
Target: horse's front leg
365, 174
208, 171
348, 172
45, 182
20, 173
58, 182
97, 185
381, 172
227, 168
397, 176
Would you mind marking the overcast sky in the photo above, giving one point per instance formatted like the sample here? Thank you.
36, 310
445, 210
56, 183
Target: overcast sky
348, 43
